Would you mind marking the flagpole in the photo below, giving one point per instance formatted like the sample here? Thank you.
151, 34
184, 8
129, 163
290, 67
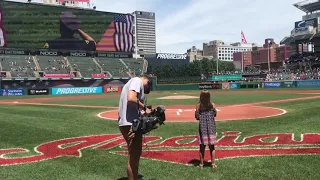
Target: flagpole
268, 56
217, 65
242, 61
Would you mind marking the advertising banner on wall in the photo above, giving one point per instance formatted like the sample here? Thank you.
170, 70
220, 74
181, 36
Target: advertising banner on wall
303, 30
289, 84
101, 75
58, 75
209, 86
271, 85
234, 85
225, 86
108, 89
309, 22
76, 90
38, 91
235, 77
12, 92
308, 84
171, 56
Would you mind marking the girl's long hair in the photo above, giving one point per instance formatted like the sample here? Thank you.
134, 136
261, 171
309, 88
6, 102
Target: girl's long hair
205, 103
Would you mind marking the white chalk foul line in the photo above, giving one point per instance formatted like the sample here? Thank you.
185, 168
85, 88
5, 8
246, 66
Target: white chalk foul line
188, 110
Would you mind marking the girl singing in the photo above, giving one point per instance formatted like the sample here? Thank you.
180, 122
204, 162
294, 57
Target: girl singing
205, 113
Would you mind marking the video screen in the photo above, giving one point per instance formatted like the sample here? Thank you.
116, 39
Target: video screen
35, 26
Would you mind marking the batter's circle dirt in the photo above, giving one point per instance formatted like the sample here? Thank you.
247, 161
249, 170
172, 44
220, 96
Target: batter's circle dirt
185, 113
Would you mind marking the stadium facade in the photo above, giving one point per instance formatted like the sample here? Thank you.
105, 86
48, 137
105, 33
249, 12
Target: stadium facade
306, 32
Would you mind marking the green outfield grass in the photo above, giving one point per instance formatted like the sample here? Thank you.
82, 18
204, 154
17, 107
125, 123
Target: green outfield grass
27, 126
221, 99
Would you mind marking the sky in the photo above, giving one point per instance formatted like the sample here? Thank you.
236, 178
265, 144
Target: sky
181, 24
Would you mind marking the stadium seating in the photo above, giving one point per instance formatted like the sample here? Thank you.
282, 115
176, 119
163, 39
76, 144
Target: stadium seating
53, 65
134, 65
113, 65
85, 65
18, 65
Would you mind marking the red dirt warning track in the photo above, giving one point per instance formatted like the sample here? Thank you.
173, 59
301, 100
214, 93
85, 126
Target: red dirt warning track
185, 113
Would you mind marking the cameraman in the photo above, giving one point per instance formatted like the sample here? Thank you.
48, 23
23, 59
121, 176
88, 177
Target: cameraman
130, 105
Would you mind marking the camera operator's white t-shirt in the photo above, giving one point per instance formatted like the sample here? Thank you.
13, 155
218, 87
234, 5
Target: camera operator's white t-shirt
127, 112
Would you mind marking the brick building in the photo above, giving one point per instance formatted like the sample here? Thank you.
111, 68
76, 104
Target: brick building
259, 55
265, 54
239, 56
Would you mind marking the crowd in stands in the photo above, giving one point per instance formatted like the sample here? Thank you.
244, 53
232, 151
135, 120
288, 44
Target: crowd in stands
298, 67
20, 67
117, 70
56, 66
308, 74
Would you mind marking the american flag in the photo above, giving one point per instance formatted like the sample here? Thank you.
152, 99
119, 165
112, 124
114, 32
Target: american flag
118, 36
243, 38
123, 35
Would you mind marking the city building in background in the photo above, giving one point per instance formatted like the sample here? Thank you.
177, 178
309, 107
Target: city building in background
144, 33
224, 51
196, 54
238, 57
267, 55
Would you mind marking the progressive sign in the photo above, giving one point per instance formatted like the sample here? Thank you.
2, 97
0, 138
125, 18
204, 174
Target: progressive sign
171, 56
310, 22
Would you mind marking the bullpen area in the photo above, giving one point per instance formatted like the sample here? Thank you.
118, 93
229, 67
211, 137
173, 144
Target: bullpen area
270, 134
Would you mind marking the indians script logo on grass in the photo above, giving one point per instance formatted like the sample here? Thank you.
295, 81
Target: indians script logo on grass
180, 149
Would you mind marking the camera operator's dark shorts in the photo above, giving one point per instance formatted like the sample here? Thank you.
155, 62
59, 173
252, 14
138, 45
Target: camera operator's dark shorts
134, 140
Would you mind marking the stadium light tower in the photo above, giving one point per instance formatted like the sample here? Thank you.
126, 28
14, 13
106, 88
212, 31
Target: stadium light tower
269, 42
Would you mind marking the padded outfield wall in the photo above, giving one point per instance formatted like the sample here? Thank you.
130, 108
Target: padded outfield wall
60, 86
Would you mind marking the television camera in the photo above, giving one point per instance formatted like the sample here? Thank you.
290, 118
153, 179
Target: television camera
149, 121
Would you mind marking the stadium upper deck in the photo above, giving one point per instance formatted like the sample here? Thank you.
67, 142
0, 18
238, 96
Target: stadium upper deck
308, 6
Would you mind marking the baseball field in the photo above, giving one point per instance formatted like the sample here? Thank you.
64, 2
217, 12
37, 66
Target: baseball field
262, 134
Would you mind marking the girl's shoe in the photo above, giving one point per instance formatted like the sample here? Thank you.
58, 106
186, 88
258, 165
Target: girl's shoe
201, 165
214, 165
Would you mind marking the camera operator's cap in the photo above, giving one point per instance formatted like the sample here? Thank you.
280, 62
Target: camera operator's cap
149, 79
70, 20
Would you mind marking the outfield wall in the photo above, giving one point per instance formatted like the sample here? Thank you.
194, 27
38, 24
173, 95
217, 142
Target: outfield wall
61, 86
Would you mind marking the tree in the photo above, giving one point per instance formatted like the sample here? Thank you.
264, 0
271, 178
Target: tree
195, 68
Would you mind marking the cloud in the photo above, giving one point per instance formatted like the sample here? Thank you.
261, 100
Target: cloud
210, 20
